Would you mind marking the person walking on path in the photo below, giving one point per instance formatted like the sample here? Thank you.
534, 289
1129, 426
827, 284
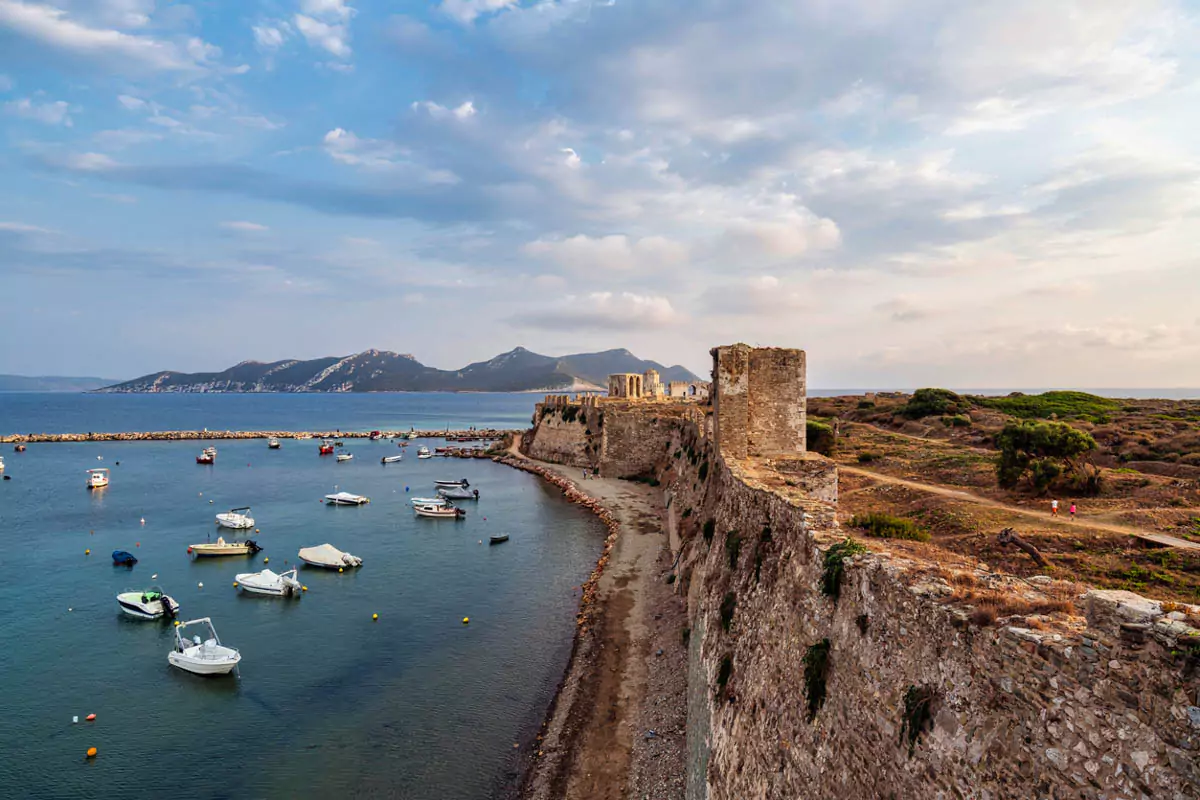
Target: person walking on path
1072, 510
1054, 508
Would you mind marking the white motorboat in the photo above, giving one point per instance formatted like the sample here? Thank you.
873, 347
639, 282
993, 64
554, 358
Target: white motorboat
238, 519
412, 434
223, 548
1, 463
446, 511
148, 604
429, 501
344, 456
202, 657
328, 557
423, 452
273, 443
270, 583
97, 478
458, 493
392, 459
346, 499
460, 482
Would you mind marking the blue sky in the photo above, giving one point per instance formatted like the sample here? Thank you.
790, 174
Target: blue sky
968, 194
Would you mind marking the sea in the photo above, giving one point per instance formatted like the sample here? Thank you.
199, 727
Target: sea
437, 698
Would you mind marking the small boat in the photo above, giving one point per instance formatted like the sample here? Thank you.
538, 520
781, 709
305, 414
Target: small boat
412, 434
237, 518
123, 558
206, 458
1, 463
391, 459
446, 511
148, 604
223, 548
269, 583
402, 444
339, 443
458, 493
304, 436
207, 657
346, 499
498, 539
326, 448
424, 453
460, 482
430, 501
97, 478
327, 556
20, 448
344, 457
375, 436
273, 443
210, 451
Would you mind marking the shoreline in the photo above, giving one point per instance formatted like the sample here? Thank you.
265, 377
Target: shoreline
467, 435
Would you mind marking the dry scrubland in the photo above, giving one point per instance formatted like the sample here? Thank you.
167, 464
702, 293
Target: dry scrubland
1142, 475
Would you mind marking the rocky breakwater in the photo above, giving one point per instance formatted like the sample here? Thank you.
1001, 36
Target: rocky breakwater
157, 436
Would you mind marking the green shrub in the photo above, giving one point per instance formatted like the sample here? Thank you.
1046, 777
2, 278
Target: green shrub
957, 421
887, 526
1049, 405
816, 672
867, 458
918, 715
934, 403
821, 438
1040, 452
866, 404
834, 565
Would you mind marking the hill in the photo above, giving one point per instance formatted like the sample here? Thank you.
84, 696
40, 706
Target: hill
518, 370
50, 383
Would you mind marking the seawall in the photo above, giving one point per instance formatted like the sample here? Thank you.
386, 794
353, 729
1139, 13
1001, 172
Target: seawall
871, 675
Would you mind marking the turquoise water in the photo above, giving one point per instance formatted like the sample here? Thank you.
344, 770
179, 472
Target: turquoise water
49, 412
329, 703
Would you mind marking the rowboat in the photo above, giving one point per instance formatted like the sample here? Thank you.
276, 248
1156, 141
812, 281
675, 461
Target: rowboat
327, 556
498, 539
223, 548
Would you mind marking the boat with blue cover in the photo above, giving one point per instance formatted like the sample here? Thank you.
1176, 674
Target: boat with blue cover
123, 558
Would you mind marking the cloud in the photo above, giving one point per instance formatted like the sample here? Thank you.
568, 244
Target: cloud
331, 37
604, 311
379, 155
52, 28
466, 11
21, 227
131, 103
244, 227
764, 294
338, 9
466, 110
56, 112
616, 252
270, 37
6, 83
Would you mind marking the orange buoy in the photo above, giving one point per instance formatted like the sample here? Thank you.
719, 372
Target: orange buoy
90, 717
91, 753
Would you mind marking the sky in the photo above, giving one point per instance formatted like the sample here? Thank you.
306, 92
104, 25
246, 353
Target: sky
930, 192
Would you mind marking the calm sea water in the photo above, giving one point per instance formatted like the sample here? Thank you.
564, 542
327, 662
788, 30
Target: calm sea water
58, 412
329, 703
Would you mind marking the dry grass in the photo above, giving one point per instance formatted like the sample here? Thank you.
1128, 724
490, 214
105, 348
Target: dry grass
992, 604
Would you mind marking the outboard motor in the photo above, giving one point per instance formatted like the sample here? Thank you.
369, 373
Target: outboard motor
476, 494
465, 483
169, 606
254, 548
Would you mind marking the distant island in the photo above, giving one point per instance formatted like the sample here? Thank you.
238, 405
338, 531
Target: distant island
518, 370
51, 383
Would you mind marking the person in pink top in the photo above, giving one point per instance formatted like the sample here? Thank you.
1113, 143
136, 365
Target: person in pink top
1072, 510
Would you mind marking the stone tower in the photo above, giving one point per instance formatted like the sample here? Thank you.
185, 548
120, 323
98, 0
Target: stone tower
625, 384
759, 401
651, 383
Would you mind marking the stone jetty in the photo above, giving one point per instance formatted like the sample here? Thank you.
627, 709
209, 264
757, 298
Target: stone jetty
486, 435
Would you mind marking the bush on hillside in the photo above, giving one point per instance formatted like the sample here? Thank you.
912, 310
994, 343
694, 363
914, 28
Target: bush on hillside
888, 526
821, 438
1053, 405
934, 403
1040, 452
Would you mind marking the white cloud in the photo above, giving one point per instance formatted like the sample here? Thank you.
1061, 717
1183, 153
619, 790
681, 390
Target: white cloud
466, 110
755, 296
21, 227
379, 155
605, 311
338, 9
270, 37
90, 162
53, 28
465, 11
616, 252
244, 227
258, 121
332, 38
131, 103
56, 112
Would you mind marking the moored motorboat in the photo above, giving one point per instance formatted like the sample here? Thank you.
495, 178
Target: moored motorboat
208, 456
273, 443
148, 604
346, 499
501, 539
97, 478
327, 556
123, 558
446, 511
272, 584
423, 452
202, 657
223, 548
238, 519
375, 436
460, 482
1, 463
326, 448
430, 501
344, 456
458, 493
391, 459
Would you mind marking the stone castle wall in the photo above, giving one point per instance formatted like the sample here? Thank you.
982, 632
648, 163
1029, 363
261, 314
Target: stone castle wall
759, 401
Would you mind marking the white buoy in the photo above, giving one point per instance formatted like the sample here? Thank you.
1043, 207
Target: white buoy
74, 720
155, 575
143, 520
201, 585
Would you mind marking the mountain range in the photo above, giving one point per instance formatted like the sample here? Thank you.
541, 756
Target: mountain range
50, 383
518, 370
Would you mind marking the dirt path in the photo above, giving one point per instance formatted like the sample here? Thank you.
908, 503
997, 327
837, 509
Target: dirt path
597, 746
1044, 516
